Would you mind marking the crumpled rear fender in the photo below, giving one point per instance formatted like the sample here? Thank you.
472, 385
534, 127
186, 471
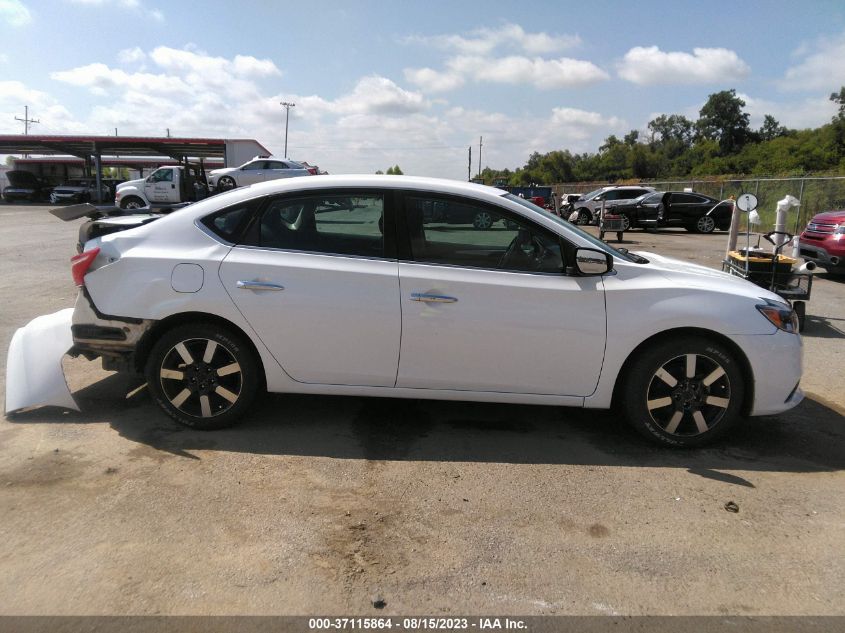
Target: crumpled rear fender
34, 374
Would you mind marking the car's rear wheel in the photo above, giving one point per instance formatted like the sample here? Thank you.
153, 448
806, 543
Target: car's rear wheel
226, 183
132, 202
683, 392
203, 375
482, 220
626, 222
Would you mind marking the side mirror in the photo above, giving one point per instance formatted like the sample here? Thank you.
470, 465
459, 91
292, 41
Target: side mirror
598, 198
591, 261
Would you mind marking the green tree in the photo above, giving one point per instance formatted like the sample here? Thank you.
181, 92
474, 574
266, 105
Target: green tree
394, 171
771, 129
722, 119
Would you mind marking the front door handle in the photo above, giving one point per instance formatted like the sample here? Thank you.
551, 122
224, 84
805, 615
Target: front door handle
431, 298
258, 285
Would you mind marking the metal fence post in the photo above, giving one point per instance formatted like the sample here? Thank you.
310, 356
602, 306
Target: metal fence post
801, 208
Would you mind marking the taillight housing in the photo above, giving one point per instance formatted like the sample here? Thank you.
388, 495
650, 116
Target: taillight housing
312, 171
79, 265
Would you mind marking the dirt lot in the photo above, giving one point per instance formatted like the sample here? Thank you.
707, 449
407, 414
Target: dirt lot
317, 505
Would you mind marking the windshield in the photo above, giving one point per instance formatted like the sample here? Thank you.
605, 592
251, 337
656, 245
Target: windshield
607, 248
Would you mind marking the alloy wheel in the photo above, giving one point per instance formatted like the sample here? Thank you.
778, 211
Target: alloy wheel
201, 378
705, 224
482, 220
688, 395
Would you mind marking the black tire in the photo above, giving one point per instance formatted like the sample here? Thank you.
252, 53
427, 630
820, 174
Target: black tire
584, 217
221, 382
695, 410
705, 224
482, 220
226, 183
132, 202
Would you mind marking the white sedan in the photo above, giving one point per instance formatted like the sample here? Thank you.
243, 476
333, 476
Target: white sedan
348, 285
256, 170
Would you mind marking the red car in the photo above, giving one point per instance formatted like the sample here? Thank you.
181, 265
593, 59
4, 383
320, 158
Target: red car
823, 241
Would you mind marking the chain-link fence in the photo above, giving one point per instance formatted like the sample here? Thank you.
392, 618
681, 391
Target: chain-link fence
816, 193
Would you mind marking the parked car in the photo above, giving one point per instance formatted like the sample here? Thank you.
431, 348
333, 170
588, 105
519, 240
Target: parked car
823, 241
693, 211
257, 170
451, 212
80, 190
589, 205
24, 185
285, 285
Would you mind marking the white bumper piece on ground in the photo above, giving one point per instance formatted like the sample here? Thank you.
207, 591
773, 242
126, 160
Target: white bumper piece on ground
34, 374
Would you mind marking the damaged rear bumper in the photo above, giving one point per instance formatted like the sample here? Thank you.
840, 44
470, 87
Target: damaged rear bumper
34, 374
97, 334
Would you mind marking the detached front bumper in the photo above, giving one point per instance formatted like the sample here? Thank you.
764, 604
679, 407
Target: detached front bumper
34, 374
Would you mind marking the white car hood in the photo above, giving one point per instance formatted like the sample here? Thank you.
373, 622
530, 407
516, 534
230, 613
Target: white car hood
130, 183
697, 276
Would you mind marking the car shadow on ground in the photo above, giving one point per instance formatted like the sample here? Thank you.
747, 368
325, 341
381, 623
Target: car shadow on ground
809, 438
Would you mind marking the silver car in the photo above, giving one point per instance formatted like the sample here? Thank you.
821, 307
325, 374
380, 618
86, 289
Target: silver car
256, 170
590, 204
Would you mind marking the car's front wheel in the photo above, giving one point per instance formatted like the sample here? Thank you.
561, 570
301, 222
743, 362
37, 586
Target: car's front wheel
203, 375
683, 392
705, 224
132, 202
584, 217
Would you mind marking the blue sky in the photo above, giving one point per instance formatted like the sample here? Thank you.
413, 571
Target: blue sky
410, 83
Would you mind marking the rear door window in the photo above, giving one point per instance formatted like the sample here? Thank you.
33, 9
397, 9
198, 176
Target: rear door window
333, 224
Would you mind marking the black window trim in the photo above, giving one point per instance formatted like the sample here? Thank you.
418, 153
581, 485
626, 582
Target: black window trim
405, 255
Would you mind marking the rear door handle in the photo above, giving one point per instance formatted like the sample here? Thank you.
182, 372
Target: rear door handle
258, 285
431, 298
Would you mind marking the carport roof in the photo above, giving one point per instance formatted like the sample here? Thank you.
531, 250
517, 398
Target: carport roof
84, 146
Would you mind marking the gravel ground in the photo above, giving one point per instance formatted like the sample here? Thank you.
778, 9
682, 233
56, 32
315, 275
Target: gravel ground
318, 505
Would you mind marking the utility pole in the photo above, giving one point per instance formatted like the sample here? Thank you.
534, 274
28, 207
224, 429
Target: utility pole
469, 164
287, 106
26, 120
479, 157
168, 132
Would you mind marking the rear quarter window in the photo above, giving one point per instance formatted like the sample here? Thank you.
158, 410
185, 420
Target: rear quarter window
229, 223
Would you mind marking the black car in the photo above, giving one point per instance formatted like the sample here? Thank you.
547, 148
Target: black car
693, 211
24, 185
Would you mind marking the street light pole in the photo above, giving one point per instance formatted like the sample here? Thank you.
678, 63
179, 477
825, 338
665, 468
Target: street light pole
287, 107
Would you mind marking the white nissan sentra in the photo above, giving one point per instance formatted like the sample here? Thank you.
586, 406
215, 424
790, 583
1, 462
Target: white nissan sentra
382, 286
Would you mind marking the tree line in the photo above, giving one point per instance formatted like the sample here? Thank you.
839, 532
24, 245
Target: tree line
720, 142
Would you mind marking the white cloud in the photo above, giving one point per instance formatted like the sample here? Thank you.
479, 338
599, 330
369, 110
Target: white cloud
483, 41
4, 59
15, 13
473, 58
53, 117
648, 65
131, 55
545, 74
432, 80
823, 66
541, 73
371, 95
